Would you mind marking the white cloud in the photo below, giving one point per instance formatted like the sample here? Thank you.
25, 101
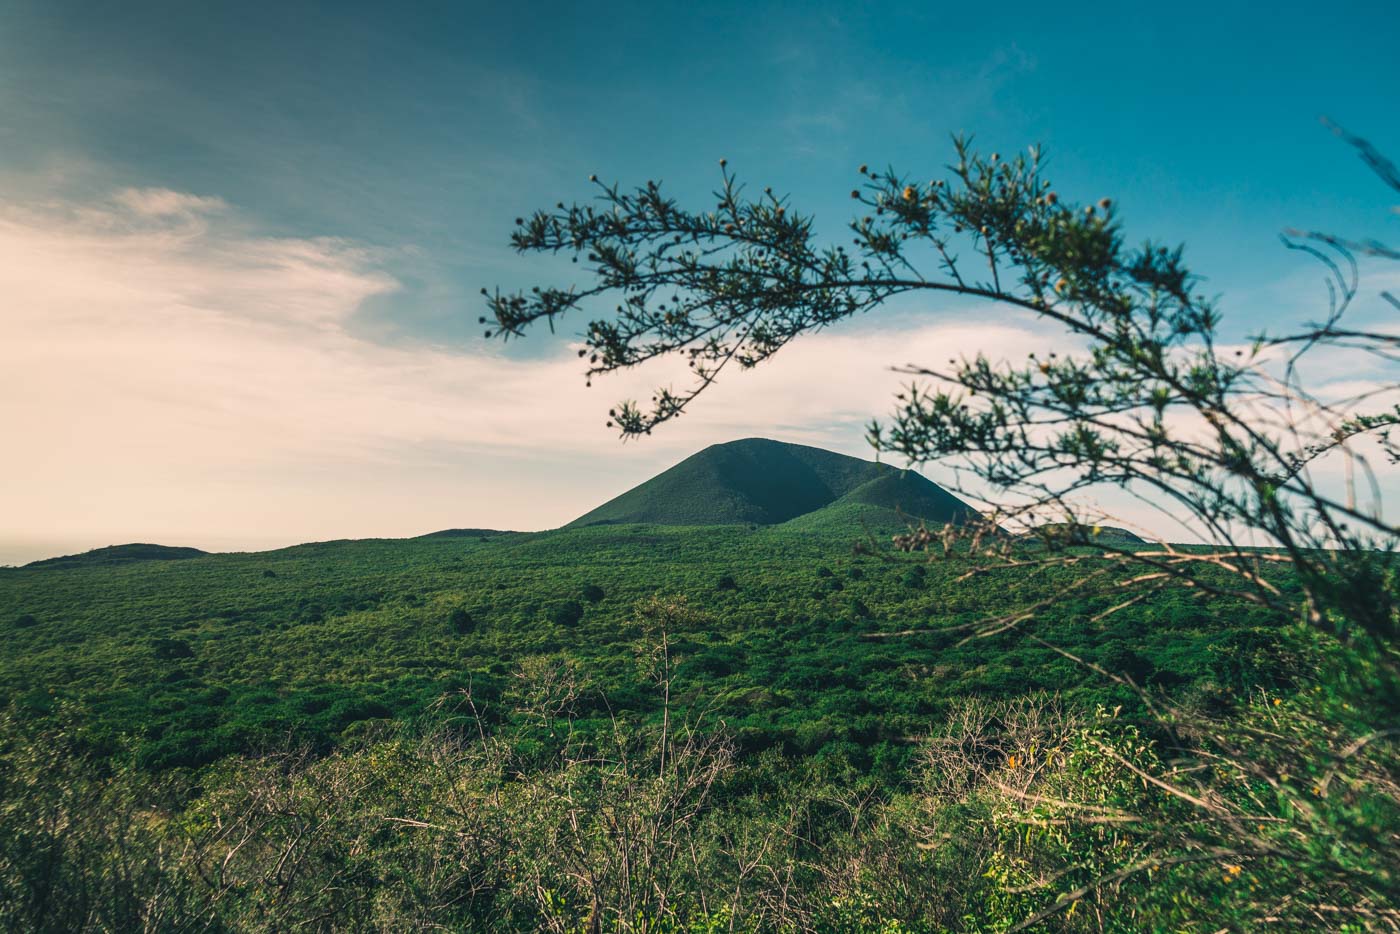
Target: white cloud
165, 375
162, 202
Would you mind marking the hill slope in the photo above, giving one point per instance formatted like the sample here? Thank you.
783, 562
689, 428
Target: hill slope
763, 482
892, 502
119, 554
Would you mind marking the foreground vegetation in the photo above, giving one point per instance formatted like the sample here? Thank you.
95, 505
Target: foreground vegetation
192, 660
502, 731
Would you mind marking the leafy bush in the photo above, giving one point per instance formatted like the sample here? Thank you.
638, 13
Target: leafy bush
566, 613
460, 621
170, 649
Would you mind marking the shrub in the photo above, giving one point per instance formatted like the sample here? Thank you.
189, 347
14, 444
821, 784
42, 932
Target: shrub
566, 613
460, 621
170, 649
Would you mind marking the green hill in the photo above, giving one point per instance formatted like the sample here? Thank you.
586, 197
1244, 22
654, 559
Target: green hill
482, 534
119, 554
1064, 534
762, 482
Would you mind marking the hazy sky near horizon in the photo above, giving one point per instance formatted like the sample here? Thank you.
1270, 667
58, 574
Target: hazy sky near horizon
241, 243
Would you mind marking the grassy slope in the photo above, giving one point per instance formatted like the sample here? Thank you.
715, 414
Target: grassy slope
119, 554
225, 653
756, 481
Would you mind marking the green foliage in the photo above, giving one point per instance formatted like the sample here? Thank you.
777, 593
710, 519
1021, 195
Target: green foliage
460, 621
1026, 811
355, 631
566, 613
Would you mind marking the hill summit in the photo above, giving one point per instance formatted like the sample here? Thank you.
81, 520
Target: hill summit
119, 554
762, 482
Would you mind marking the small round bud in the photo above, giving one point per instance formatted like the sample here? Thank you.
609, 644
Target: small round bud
592, 178
1105, 203
723, 163
519, 221
855, 194
908, 193
1052, 198
864, 169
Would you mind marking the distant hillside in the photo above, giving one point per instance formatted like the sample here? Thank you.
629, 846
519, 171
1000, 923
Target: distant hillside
119, 554
763, 482
482, 534
1063, 533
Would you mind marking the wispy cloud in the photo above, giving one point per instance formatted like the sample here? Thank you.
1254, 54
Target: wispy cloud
169, 374
162, 202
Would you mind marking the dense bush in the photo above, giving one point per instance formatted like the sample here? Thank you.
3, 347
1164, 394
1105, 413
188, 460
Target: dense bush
1025, 811
460, 621
566, 613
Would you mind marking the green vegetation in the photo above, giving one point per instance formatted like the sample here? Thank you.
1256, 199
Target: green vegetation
438, 708
391, 734
194, 660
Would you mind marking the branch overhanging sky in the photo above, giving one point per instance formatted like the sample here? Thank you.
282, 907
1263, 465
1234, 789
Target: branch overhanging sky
242, 242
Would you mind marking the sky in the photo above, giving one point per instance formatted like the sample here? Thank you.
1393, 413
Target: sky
241, 244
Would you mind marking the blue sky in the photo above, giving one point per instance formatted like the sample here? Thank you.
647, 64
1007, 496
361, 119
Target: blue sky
402, 139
